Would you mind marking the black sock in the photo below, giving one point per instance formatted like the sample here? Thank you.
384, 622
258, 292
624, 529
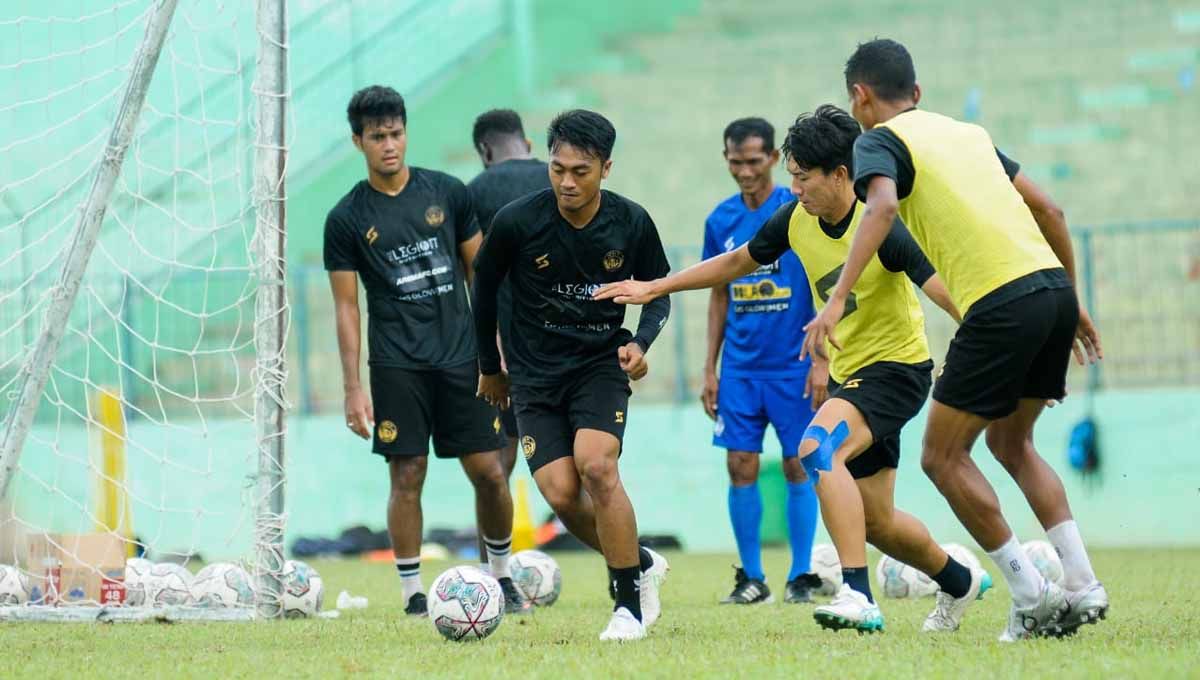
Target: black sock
627, 583
857, 578
645, 561
954, 579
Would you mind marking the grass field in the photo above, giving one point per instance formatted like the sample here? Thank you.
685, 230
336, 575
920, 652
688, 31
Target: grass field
1153, 631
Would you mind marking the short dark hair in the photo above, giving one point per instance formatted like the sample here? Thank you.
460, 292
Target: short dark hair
497, 123
375, 104
742, 128
885, 66
585, 130
822, 139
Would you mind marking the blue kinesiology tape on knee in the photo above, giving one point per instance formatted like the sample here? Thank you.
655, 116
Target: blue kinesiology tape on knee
827, 444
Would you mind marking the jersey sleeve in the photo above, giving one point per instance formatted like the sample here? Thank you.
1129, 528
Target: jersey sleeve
899, 252
771, 241
879, 152
495, 258
711, 247
465, 224
1011, 167
651, 264
339, 254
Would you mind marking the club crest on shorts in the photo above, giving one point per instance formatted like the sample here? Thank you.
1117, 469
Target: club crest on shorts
387, 432
528, 446
613, 260
434, 216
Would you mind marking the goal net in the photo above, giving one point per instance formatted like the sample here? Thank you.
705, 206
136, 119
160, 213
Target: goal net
142, 308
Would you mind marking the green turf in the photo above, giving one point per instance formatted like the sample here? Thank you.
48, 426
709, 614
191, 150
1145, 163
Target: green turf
1152, 631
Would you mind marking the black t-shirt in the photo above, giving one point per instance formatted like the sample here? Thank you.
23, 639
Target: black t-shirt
880, 152
554, 269
405, 250
898, 252
504, 183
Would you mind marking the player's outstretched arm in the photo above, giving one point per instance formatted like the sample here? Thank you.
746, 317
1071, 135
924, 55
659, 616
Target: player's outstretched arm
359, 416
711, 272
880, 212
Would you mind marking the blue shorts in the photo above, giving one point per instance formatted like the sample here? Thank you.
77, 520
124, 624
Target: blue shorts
745, 406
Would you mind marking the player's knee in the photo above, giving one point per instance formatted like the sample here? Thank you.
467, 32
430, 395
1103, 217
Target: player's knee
408, 474
490, 480
793, 471
562, 501
878, 525
1010, 449
599, 475
743, 470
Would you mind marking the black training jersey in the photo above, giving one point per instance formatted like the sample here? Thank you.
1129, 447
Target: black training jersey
554, 270
504, 183
405, 250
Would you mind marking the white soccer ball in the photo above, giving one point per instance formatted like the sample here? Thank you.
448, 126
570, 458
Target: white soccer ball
465, 604
137, 570
15, 588
898, 579
223, 585
963, 555
168, 584
826, 565
1045, 558
537, 576
303, 590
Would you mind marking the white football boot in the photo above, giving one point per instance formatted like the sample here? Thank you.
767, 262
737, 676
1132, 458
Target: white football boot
1040, 618
947, 615
622, 627
850, 609
1085, 606
652, 580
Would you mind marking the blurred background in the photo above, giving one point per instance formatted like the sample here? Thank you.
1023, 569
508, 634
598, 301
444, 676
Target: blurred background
1096, 99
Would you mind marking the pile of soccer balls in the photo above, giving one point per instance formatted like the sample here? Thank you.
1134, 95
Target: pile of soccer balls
467, 604
166, 584
899, 580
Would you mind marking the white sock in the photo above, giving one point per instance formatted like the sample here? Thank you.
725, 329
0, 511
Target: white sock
498, 552
1024, 580
410, 576
484, 566
1077, 568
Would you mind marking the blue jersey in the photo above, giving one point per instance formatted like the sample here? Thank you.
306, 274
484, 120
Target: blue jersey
768, 308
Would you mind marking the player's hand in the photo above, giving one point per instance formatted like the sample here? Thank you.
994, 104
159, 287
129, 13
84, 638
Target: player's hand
494, 389
816, 385
708, 395
1087, 345
360, 417
627, 292
820, 329
633, 360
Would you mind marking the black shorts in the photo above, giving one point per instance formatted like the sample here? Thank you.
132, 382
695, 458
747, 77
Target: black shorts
888, 394
413, 404
508, 422
1016, 350
549, 417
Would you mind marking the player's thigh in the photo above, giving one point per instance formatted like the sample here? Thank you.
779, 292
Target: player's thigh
559, 483
543, 424
741, 415
949, 434
1046, 377
598, 400
838, 432
788, 411
404, 406
992, 354
463, 423
1013, 433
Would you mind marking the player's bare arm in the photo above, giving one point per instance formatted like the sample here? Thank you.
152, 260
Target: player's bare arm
1052, 222
718, 308
359, 416
881, 208
712, 272
935, 290
467, 250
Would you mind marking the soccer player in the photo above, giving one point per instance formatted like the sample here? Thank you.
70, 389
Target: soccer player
761, 382
1005, 252
410, 235
509, 172
878, 383
569, 359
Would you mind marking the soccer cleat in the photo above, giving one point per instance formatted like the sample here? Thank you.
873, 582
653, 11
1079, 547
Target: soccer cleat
1041, 618
747, 590
417, 605
623, 627
850, 609
652, 580
514, 602
800, 589
1085, 606
947, 615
